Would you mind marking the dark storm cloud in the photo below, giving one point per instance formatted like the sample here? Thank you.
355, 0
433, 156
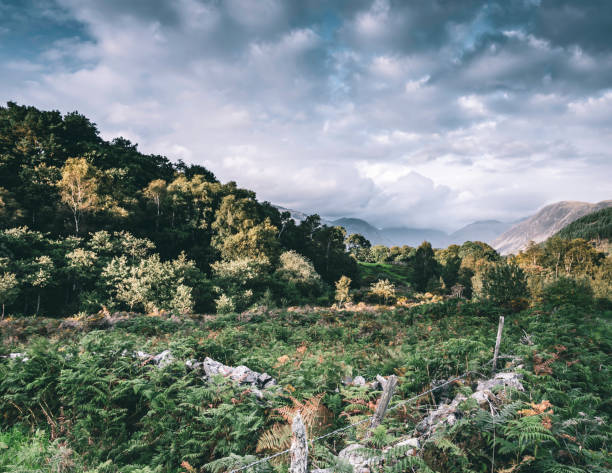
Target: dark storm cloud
428, 113
566, 23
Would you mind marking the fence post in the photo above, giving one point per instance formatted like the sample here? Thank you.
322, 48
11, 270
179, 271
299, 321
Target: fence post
383, 403
500, 327
299, 446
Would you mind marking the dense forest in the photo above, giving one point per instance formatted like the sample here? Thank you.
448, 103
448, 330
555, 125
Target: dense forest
102, 224
121, 273
594, 226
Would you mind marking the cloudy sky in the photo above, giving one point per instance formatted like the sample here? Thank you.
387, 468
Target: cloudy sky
429, 113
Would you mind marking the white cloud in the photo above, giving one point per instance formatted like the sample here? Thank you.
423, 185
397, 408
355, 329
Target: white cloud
369, 120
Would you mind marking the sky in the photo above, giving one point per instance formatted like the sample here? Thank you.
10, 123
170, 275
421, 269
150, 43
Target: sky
431, 113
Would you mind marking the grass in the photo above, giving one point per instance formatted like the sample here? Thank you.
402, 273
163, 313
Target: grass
372, 272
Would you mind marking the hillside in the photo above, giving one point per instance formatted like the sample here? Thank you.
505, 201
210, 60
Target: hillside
486, 231
594, 226
545, 223
415, 236
357, 225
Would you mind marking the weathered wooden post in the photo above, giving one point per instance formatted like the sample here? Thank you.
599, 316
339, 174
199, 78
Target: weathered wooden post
500, 327
299, 446
383, 403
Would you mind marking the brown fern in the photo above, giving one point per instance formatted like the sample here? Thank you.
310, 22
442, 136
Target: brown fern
316, 419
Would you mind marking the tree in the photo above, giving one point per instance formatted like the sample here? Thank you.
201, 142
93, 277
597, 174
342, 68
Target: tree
10, 212
425, 266
151, 284
40, 276
555, 249
359, 246
531, 256
380, 253
298, 272
503, 284
566, 290
343, 287
383, 289
78, 188
156, 191
8, 289
240, 232
241, 279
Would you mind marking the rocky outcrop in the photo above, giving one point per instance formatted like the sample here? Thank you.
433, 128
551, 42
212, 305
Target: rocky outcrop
489, 391
377, 384
240, 374
16, 356
446, 414
209, 368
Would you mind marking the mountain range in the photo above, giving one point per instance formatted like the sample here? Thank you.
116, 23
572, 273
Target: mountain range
505, 237
545, 223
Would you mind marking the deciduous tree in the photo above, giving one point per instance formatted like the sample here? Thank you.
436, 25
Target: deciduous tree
78, 187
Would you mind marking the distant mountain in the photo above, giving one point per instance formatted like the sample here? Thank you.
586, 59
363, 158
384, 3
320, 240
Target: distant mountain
414, 236
357, 225
593, 226
548, 221
485, 230
295, 214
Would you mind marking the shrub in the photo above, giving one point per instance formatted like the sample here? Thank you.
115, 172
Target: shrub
383, 290
503, 284
343, 286
565, 290
225, 304
299, 273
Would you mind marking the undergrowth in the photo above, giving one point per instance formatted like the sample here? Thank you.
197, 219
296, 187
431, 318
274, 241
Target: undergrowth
80, 404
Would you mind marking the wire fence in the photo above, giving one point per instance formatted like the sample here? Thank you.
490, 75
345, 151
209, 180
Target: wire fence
369, 418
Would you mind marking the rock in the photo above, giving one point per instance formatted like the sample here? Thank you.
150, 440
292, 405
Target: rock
412, 442
502, 379
481, 397
243, 375
359, 381
142, 355
484, 390
164, 359
445, 414
257, 393
347, 380
264, 380
17, 356
357, 460
377, 384
211, 367
194, 365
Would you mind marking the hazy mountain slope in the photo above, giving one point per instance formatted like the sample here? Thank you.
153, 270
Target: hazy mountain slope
356, 225
415, 236
596, 225
295, 214
484, 230
544, 224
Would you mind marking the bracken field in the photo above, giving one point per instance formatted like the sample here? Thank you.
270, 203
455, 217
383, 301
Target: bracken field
81, 402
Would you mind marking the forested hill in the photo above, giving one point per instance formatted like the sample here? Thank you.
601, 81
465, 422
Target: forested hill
594, 226
66, 184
